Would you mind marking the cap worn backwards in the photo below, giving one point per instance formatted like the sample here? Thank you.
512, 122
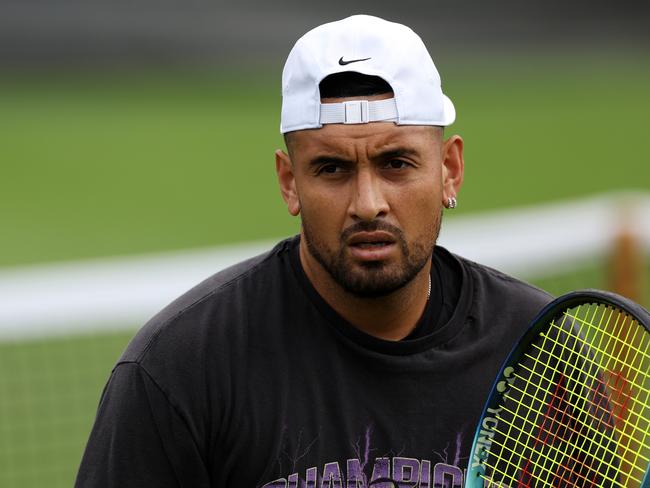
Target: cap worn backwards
370, 46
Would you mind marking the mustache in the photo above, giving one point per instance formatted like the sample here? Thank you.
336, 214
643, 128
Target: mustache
372, 226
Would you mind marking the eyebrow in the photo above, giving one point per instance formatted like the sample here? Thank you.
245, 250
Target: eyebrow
388, 154
396, 153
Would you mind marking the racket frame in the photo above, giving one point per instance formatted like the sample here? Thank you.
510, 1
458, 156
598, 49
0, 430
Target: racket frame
474, 474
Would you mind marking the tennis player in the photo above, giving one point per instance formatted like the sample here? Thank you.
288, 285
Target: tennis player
356, 354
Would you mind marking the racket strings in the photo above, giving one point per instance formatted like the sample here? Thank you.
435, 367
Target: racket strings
582, 410
530, 465
546, 431
552, 447
554, 419
597, 403
621, 393
621, 343
513, 450
590, 427
622, 397
513, 429
607, 396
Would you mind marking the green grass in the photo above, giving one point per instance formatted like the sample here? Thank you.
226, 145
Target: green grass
590, 274
134, 166
136, 163
544, 137
49, 392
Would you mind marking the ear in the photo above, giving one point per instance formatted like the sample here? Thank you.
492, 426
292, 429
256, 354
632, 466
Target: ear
287, 181
453, 167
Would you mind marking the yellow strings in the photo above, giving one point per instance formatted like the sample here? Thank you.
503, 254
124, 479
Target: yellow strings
603, 358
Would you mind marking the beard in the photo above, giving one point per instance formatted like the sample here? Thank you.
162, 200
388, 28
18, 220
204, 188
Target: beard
375, 278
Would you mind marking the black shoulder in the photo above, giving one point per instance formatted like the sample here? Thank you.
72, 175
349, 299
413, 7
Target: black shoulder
493, 288
188, 307
515, 285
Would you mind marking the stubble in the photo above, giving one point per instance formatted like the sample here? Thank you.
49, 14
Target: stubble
374, 278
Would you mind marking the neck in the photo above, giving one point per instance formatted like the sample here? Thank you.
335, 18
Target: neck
391, 317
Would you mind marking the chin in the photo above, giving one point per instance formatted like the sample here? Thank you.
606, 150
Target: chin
372, 280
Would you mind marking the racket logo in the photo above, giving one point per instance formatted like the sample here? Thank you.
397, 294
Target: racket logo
485, 435
504, 385
490, 421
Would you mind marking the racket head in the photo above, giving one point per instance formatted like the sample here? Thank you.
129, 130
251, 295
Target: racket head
571, 403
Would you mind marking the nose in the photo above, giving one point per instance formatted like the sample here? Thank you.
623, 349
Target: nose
368, 200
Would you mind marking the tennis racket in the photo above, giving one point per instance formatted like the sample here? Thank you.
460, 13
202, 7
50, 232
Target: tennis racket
571, 404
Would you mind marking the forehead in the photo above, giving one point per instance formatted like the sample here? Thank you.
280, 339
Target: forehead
371, 138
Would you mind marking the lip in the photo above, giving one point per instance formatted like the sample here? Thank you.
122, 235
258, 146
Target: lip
375, 236
362, 248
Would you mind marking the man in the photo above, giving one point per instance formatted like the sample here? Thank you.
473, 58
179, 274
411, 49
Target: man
356, 354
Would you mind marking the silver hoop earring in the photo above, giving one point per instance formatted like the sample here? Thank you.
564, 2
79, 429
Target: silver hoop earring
451, 202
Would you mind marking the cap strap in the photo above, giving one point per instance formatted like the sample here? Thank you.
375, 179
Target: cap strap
358, 111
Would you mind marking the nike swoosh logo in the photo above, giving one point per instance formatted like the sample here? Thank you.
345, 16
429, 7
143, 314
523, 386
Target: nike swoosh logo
343, 63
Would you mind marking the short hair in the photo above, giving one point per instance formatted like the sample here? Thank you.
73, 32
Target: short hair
352, 84
349, 84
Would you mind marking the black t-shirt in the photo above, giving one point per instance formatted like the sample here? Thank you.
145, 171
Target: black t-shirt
252, 380
446, 276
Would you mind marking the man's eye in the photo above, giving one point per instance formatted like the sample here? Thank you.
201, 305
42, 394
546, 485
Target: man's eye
330, 169
397, 164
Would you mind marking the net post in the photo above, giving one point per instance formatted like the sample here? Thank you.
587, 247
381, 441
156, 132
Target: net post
626, 263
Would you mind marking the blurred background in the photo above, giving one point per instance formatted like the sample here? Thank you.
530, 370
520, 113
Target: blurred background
136, 158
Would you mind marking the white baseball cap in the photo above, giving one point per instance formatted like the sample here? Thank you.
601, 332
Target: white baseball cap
370, 46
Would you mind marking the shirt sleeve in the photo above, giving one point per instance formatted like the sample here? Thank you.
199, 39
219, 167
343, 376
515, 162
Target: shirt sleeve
139, 439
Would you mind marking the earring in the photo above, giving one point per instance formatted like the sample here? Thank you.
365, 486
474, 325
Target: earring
451, 202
